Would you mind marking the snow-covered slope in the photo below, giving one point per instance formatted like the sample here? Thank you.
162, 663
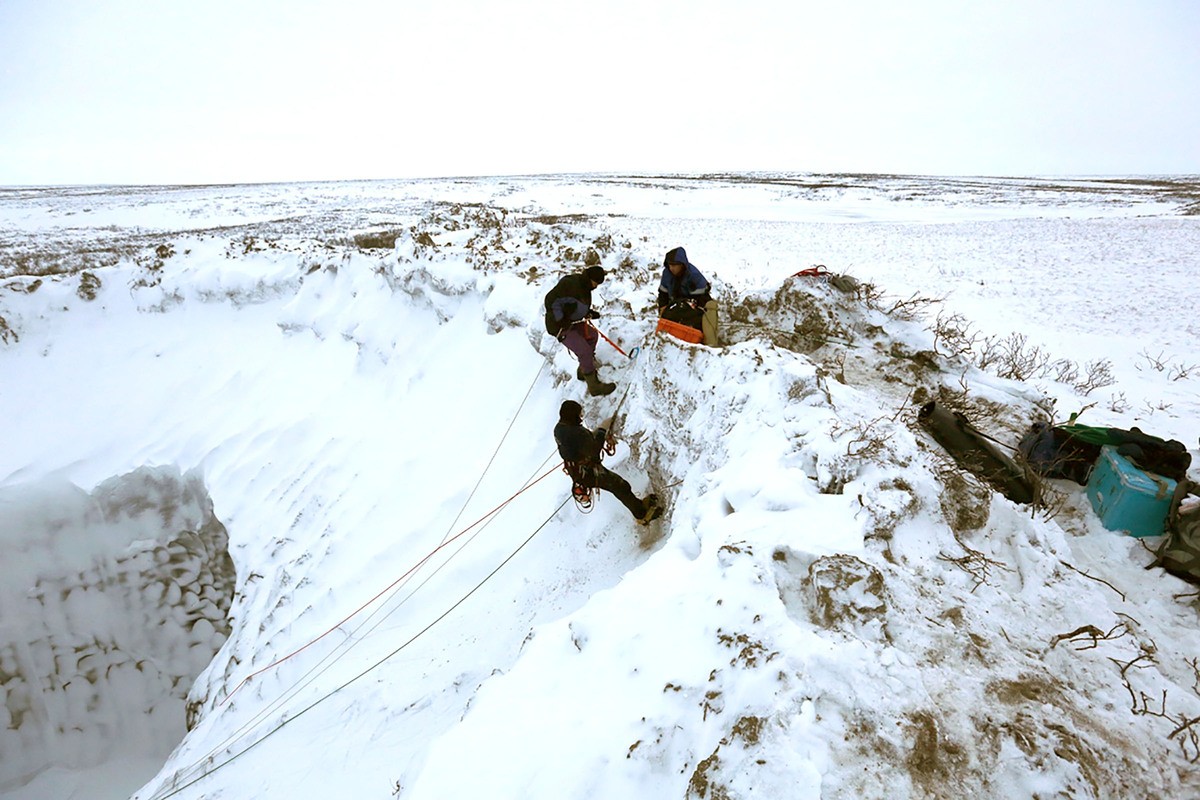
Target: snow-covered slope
829, 608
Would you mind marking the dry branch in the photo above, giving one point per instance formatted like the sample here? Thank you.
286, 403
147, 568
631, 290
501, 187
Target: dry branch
1094, 634
1093, 577
975, 563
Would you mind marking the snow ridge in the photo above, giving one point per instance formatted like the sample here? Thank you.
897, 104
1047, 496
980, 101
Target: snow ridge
828, 609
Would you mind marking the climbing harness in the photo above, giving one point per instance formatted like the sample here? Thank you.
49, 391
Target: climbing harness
582, 473
582, 495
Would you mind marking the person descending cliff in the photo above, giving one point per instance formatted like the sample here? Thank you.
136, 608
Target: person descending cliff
580, 450
568, 311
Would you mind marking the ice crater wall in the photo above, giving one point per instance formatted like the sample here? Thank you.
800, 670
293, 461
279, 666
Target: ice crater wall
111, 604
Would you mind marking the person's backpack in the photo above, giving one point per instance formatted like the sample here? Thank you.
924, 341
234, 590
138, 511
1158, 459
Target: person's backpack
1053, 453
1179, 553
1069, 451
1166, 457
553, 326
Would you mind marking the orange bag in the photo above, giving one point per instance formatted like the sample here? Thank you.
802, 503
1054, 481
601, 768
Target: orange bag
685, 332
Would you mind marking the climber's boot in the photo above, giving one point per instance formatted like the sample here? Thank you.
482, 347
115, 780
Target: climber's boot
597, 387
653, 510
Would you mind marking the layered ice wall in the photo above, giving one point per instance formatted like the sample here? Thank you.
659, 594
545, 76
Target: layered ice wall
110, 605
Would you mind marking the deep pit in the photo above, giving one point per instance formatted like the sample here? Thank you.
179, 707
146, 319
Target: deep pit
111, 604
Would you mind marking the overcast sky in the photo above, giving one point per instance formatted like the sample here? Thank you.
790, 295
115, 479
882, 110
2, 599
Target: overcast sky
127, 91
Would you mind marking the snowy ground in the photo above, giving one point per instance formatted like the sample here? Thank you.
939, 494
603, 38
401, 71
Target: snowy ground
828, 609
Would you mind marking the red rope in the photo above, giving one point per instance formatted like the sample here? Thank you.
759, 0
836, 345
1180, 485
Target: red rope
605, 338
409, 572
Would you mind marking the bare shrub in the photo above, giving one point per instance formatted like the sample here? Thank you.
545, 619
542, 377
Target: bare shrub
913, 307
1159, 363
1046, 404
1065, 371
1180, 371
1098, 374
1020, 360
1048, 501
980, 410
839, 366
1155, 363
1142, 704
974, 563
866, 440
988, 352
1088, 637
872, 296
953, 337
1013, 357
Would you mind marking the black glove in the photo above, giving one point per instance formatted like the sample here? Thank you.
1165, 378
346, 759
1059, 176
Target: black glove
593, 314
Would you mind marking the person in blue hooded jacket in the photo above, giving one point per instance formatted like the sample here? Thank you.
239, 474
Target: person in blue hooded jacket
684, 295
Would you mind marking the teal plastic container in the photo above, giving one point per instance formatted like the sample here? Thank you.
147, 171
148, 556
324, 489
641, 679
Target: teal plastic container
1127, 498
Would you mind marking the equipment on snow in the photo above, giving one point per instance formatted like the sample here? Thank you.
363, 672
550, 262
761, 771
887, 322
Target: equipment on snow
1052, 452
1166, 457
1179, 553
973, 451
582, 495
679, 331
1069, 451
843, 283
1127, 498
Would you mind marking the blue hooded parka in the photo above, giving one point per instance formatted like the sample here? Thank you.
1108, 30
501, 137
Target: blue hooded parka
689, 286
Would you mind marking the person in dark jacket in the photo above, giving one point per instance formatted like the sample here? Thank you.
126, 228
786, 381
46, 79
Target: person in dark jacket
684, 295
580, 450
568, 309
